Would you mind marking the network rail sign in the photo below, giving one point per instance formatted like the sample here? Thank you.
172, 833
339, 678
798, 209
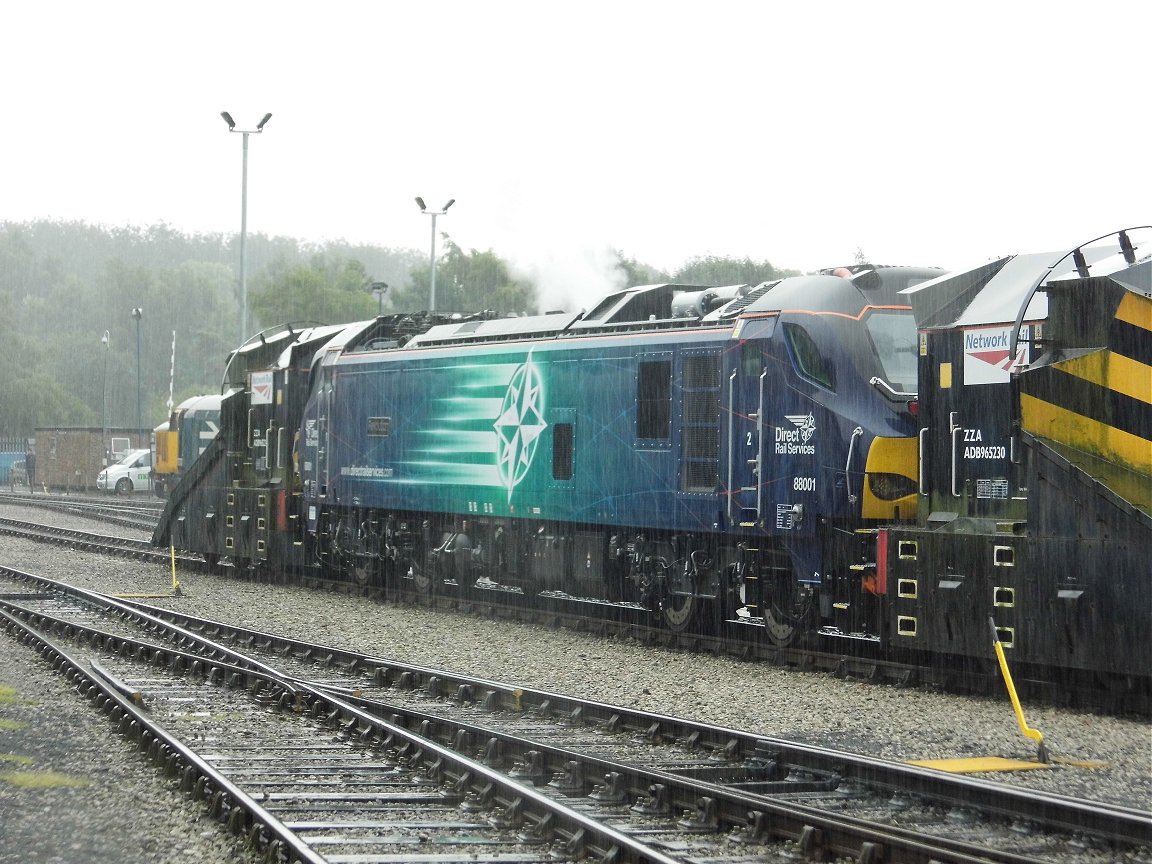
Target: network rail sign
988, 354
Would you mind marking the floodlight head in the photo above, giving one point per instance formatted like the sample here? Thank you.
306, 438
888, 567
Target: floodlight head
138, 312
260, 125
420, 203
105, 338
451, 201
228, 119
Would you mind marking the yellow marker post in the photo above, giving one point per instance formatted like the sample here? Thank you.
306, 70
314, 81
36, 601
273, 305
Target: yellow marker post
175, 581
1035, 734
175, 585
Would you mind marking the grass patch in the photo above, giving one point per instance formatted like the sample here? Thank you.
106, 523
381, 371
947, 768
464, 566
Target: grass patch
15, 758
41, 780
12, 725
9, 696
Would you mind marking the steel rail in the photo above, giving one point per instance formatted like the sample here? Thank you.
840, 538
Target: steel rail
1057, 812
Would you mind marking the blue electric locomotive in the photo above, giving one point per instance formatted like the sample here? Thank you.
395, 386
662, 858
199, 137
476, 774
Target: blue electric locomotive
712, 468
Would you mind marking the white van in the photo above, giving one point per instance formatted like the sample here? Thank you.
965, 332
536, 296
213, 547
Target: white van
131, 474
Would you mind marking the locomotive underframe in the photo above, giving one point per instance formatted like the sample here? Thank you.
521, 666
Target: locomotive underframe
692, 581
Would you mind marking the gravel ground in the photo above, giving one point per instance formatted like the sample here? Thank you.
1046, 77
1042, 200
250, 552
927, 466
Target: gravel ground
898, 724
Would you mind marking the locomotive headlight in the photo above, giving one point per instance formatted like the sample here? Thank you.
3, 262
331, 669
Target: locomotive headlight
889, 487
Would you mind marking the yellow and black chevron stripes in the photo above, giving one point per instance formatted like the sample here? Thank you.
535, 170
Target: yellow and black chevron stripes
1131, 331
1100, 403
1110, 371
1056, 423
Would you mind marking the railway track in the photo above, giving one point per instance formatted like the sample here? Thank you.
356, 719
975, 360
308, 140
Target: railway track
123, 512
626, 621
331, 755
108, 544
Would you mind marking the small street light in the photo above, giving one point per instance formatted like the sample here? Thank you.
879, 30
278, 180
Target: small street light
107, 340
244, 218
138, 313
379, 289
432, 257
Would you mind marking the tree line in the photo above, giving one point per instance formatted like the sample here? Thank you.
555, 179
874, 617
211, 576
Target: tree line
64, 285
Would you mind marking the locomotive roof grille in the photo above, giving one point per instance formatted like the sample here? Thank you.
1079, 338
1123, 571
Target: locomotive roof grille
738, 305
594, 330
642, 309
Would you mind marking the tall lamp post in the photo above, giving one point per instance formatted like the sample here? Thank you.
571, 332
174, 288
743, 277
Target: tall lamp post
379, 289
107, 340
244, 218
138, 313
432, 257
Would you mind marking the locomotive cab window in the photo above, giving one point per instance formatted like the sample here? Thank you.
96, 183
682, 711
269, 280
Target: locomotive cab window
810, 363
654, 400
894, 335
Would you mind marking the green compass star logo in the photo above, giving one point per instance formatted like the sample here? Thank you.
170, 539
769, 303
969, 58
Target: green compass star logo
519, 425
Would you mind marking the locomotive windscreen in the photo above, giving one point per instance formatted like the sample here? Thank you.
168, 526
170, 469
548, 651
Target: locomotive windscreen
894, 335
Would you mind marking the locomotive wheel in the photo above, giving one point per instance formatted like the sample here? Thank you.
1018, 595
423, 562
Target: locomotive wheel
787, 626
365, 573
781, 630
682, 612
424, 582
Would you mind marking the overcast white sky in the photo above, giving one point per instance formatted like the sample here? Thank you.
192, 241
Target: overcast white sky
923, 133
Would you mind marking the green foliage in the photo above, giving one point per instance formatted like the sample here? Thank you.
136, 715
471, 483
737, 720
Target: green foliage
64, 284
713, 270
636, 273
28, 399
466, 282
326, 290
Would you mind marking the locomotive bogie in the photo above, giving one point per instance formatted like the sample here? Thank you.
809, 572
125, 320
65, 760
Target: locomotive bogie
373, 548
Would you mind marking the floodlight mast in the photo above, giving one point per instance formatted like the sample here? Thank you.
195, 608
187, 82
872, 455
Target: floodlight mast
138, 313
106, 340
432, 256
244, 218
379, 289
